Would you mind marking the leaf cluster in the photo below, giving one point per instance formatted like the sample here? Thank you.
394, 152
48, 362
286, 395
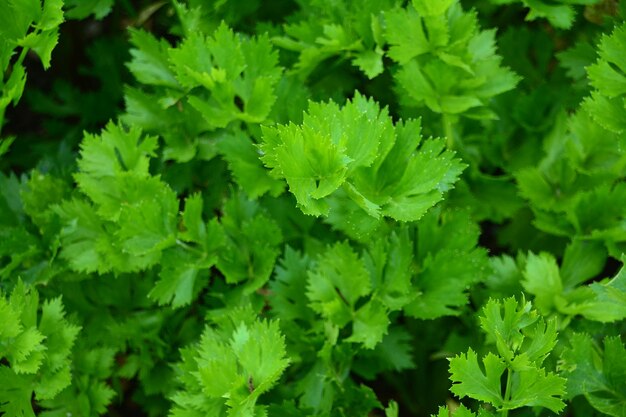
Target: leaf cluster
312, 208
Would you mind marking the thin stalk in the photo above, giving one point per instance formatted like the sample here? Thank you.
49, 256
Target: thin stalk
448, 130
22, 56
507, 391
190, 248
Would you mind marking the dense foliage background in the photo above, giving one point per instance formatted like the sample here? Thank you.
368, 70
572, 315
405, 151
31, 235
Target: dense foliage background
312, 208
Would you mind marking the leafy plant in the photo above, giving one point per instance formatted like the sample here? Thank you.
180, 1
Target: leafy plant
312, 208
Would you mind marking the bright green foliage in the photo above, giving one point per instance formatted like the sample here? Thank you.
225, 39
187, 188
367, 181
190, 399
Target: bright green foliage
445, 62
204, 83
342, 279
88, 395
195, 253
462, 411
337, 284
541, 278
143, 213
124, 198
607, 104
598, 374
28, 25
31, 24
356, 151
321, 208
219, 65
35, 343
337, 29
557, 290
230, 368
523, 340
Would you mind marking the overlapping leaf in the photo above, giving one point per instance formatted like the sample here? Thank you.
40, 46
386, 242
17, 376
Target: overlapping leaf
598, 374
523, 341
446, 63
355, 151
228, 370
36, 350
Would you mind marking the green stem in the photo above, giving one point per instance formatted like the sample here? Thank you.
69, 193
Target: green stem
507, 391
448, 130
23, 53
190, 248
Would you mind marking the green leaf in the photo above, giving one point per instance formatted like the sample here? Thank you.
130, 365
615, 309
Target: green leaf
396, 348
606, 104
357, 148
469, 380
27, 351
149, 227
602, 301
446, 63
543, 280
233, 70
83, 237
5, 144
10, 327
80, 9
251, 245
536, 388
260, 350
505, 330
115, 151
391, 266
51, 15
523, 341
432, 8
370, 62
596, 374
337, 283
230, 368
181, 265
407, 40
561, 15
42, 43
608, 113
244, 163
37, 350
370, 324
459, 260
410, 181
316, 157
607, 74
462, 411
149, 63
288, 299
582, 260
179, 271
15, 394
